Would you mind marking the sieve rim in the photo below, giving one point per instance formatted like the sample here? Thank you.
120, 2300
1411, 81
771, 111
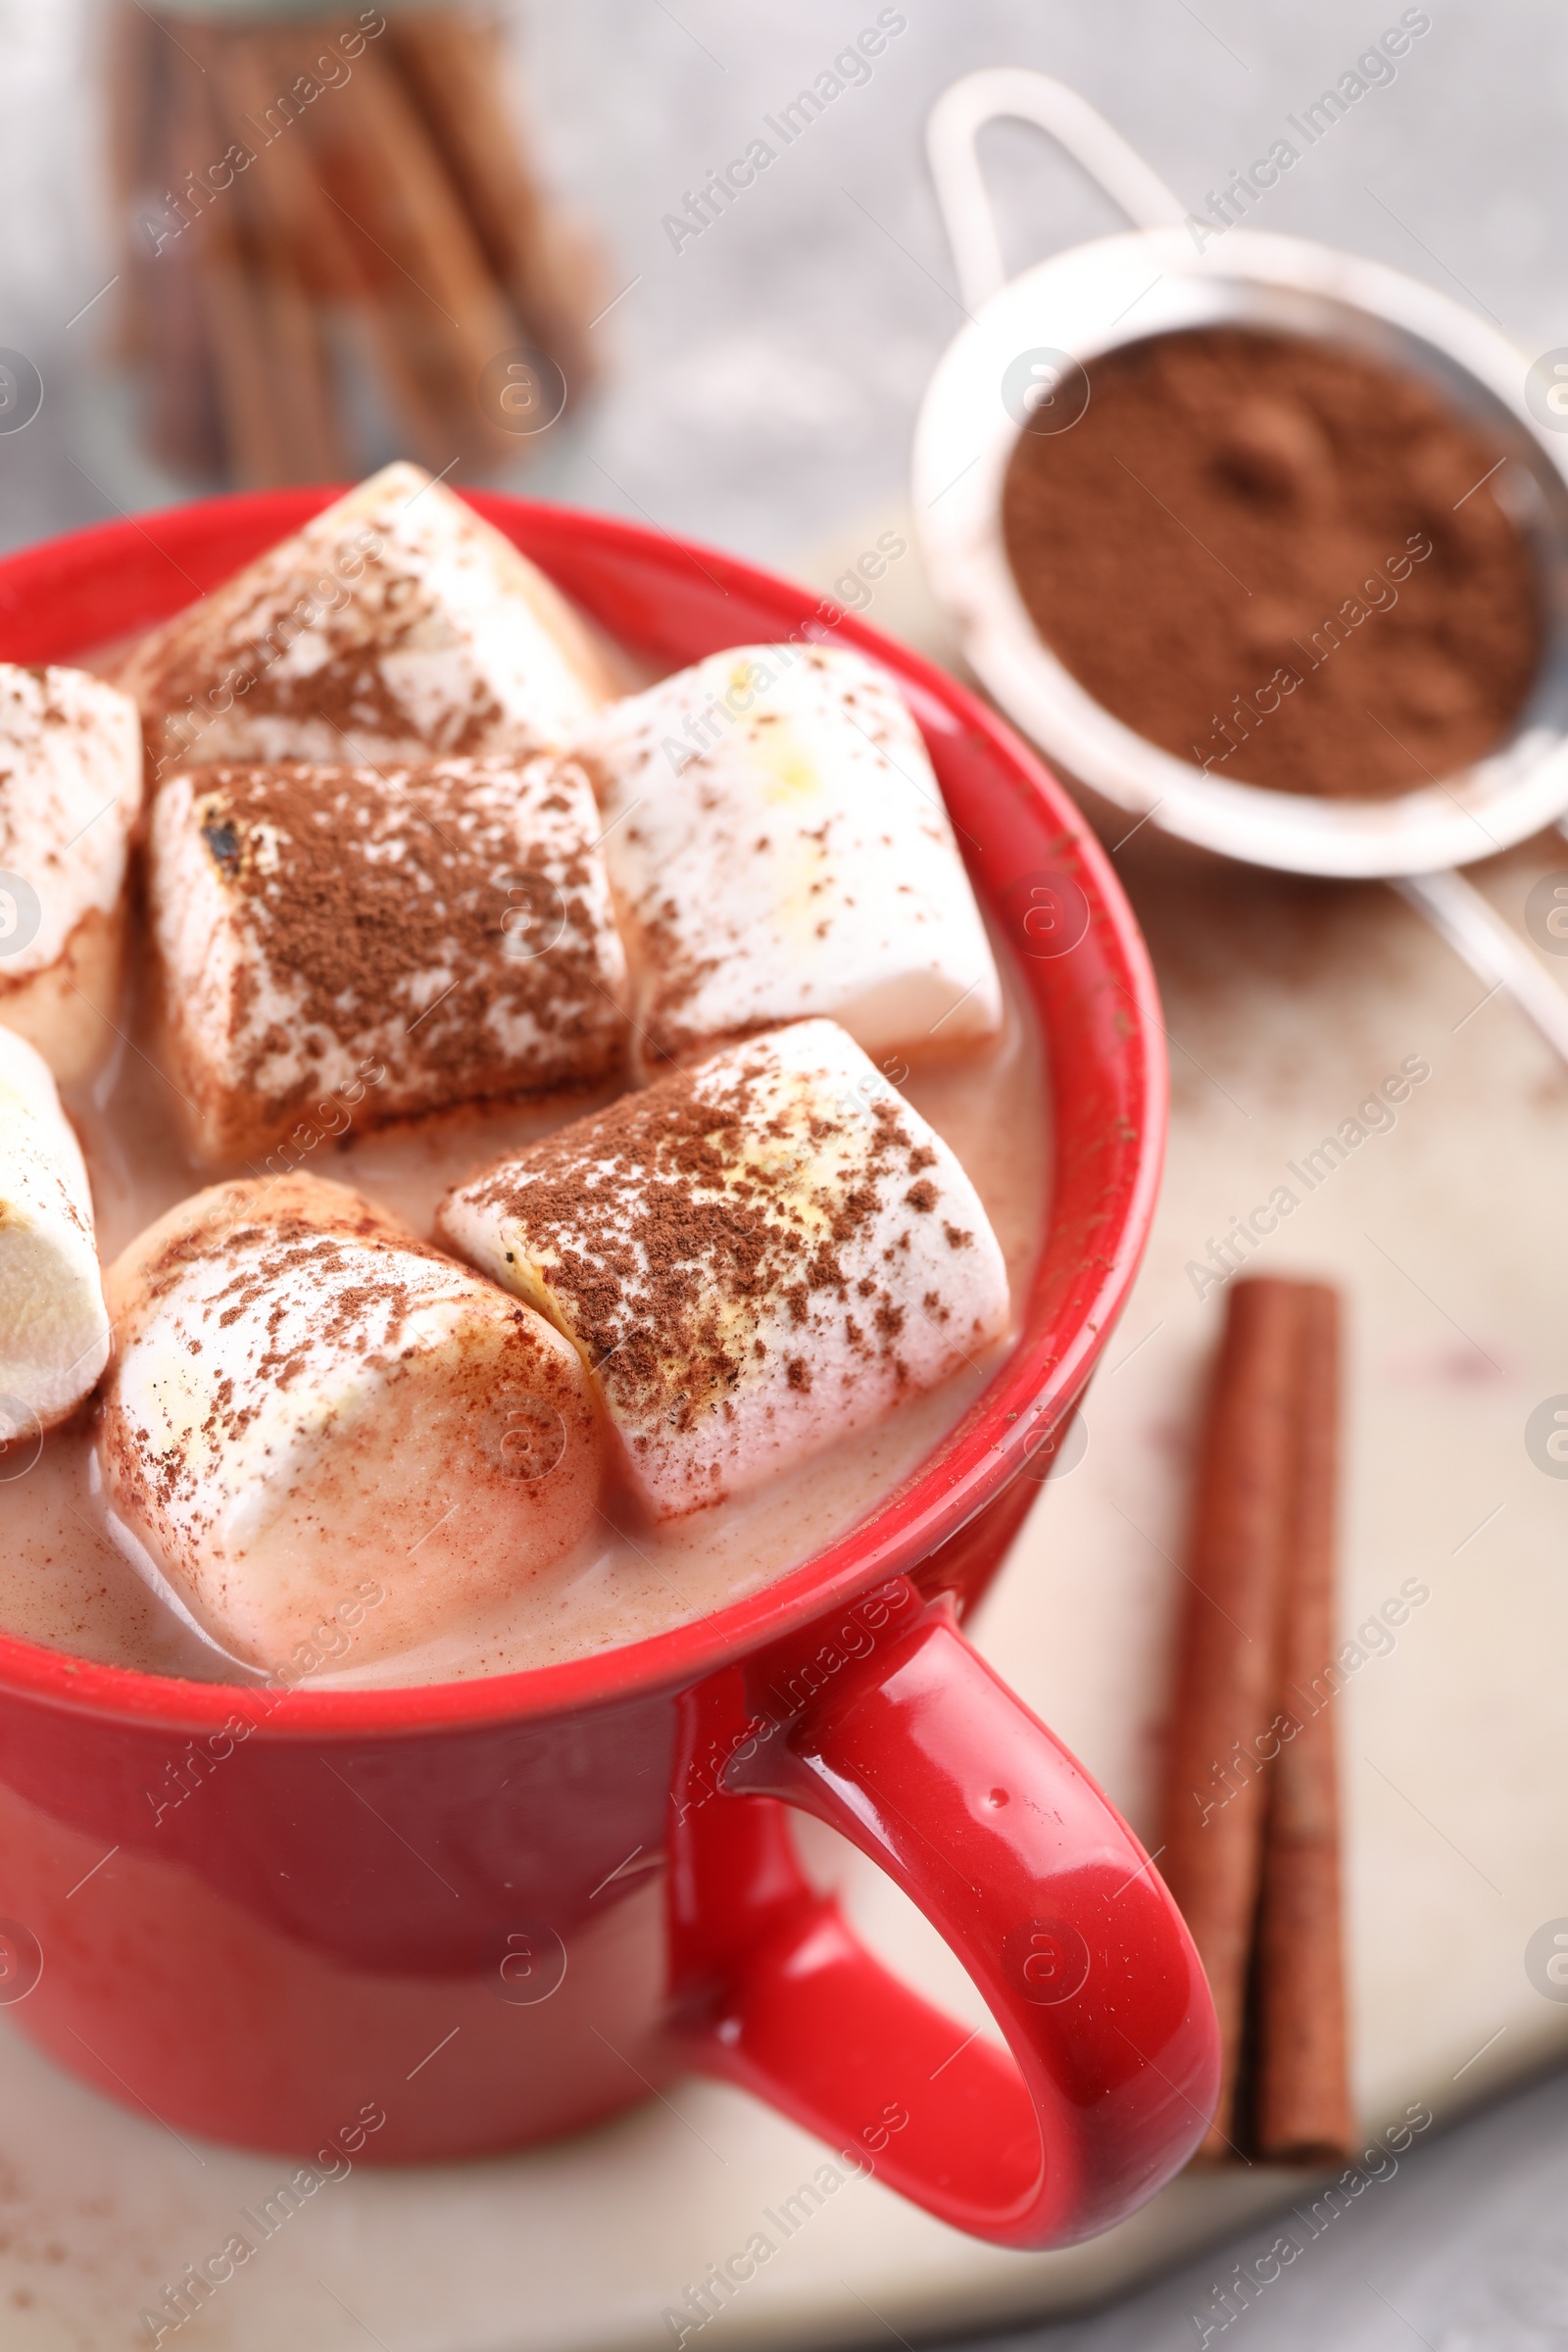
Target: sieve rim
1099, 296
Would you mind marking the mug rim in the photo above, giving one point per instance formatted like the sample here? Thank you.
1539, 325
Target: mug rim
1032, 1391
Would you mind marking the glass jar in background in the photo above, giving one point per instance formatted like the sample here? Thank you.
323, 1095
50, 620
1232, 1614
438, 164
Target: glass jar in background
330, 245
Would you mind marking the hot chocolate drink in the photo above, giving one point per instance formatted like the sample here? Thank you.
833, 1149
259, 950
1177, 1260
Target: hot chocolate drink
476, 1359
67, 1578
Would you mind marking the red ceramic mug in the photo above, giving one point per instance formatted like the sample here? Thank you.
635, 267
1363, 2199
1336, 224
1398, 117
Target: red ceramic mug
431, 1921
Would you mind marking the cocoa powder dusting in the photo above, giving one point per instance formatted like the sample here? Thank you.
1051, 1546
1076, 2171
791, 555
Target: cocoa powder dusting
668, 1224
417, 914
276, 1258
1280, 560
367, 624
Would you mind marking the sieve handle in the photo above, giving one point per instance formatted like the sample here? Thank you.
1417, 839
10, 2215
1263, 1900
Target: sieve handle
1493, 950
955, 121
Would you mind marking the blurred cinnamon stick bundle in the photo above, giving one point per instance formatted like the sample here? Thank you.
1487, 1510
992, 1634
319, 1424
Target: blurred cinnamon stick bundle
332, 235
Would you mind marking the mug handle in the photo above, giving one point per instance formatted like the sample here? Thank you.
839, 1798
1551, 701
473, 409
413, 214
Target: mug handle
898, 1735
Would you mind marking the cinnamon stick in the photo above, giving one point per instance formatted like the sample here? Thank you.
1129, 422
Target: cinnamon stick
254, 387
456, 68
133, 64
1304, 2101
1228, 1673
133, 40
286, 274
250, 67
336, 257
184, 426
416, 246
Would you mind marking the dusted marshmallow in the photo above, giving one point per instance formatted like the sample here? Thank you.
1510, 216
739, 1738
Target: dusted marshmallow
756, 1256
54, 1327
778, 847
396, 624
397, 939
308, 1406
70, 795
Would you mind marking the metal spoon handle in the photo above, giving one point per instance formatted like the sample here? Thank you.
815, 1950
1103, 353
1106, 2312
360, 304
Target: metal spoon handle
1494, 953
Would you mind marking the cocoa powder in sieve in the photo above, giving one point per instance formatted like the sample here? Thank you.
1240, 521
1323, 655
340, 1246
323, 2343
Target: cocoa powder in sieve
1280, 560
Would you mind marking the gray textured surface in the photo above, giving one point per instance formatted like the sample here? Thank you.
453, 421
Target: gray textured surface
765, 383
1462, 2250
766, 375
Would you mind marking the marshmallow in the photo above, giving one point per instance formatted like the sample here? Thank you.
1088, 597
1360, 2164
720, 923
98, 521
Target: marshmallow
314, 1421
396, 624
54, 1326
778, 847
70, 795
755, 1256
398, 939
402, 939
